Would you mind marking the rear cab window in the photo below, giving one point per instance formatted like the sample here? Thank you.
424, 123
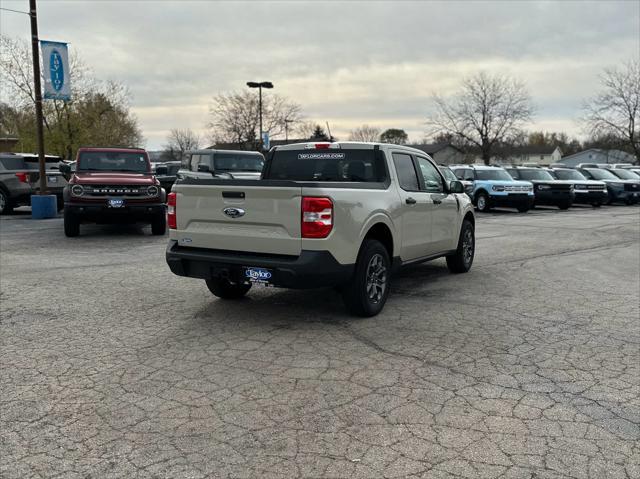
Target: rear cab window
327, 165
407, 176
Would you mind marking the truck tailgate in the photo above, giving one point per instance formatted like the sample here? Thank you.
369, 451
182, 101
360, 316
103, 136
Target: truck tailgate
261, 219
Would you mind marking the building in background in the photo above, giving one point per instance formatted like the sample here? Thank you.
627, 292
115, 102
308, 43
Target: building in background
8, 144
596, 155
442, 153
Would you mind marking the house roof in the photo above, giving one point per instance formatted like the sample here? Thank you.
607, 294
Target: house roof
532, 150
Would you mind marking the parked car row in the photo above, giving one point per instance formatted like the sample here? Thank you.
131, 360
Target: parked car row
524, 188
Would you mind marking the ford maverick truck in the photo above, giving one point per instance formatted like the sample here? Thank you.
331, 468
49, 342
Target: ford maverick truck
113, 185
343, 215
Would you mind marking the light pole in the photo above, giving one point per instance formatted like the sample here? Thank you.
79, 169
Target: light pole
260, 86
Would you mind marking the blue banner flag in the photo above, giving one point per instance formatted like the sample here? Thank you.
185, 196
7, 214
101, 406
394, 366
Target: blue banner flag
55, 69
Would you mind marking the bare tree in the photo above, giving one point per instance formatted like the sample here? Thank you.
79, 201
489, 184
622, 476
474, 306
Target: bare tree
306, 129
97, 114
487, 111
180, 141
235, 117
615, 111
365, 133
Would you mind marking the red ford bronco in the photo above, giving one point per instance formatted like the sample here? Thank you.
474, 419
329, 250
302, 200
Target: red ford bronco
113, 185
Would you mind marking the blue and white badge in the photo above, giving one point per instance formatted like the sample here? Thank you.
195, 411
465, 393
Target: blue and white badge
116, 202
55, 70
257, 275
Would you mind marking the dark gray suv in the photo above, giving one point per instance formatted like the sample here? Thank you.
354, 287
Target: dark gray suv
20, 178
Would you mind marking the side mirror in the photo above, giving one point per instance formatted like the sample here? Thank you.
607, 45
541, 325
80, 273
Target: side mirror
162, 170
65, 168
456, 187
204, 168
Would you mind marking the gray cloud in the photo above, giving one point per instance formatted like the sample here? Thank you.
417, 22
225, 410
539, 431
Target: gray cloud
345, 62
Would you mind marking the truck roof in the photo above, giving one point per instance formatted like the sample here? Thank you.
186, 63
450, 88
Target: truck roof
118, 150
346, 145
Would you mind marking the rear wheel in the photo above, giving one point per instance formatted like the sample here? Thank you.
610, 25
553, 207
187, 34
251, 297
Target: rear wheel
367, 291
159, 225
5, 203
596, 205
523, 208
71, 224
482, 202
462, 259
564, 206
225, 289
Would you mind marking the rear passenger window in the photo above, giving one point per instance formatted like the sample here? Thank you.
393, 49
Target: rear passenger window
407, 176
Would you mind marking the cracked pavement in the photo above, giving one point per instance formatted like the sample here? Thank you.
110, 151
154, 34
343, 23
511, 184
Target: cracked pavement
526, 367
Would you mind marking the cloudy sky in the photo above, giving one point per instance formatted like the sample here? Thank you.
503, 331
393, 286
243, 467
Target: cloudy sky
347, 63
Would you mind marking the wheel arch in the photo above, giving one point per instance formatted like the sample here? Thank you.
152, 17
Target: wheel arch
381, 231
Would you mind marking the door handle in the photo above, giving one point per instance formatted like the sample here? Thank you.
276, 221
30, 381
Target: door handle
410, 201
436, 202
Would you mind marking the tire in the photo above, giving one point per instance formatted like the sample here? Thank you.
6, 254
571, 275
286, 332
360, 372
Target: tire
159, 225
71, 224
462, 259
564, 206
523, 208
629, 202
482, 202
367, 291
224, 289
596, 205
6, 207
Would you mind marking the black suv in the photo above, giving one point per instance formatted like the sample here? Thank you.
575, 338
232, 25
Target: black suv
588, 192
547, 190
620, 190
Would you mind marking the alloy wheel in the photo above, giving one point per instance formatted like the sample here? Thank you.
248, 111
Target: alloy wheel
376, 278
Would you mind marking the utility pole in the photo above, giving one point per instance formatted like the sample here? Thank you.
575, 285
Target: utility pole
286, 130
38, 92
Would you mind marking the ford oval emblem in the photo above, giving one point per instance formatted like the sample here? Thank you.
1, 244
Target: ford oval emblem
57, 70
233, 212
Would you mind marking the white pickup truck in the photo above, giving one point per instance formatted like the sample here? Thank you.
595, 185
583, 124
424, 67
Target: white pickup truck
345, 215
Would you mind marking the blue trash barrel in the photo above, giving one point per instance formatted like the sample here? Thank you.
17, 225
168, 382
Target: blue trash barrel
43, 206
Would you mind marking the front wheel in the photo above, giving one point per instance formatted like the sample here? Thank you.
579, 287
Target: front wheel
564, 206
71, 224
482, 202
225, 289
367, 291
462, 259
523, 208
596, 205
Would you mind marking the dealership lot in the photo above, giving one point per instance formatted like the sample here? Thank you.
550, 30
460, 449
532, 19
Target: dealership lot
527, 366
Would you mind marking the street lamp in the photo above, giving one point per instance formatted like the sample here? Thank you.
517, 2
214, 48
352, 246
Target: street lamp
260, 86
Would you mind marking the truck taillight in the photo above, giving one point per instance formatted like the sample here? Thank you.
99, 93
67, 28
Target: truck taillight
172, 219
23, 177
317, 217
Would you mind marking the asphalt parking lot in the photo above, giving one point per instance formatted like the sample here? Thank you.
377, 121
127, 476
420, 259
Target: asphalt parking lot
528, 366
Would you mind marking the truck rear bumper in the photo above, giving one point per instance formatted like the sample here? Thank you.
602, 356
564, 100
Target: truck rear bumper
312, 269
